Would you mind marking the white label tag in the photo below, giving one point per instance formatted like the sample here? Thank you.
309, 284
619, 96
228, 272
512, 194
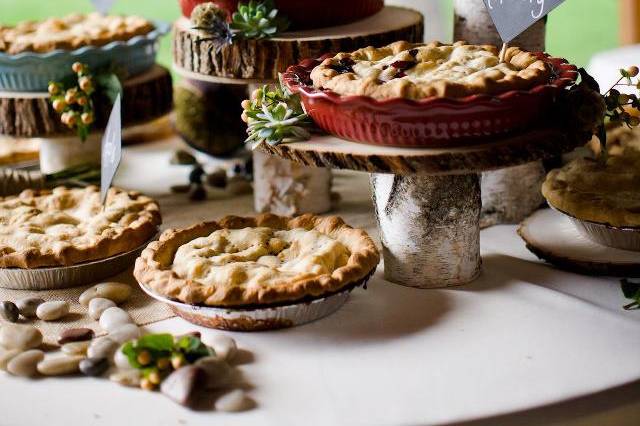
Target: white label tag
111, 149
512, 17
103, 6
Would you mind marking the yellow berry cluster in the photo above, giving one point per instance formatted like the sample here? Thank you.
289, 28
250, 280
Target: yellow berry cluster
74, 103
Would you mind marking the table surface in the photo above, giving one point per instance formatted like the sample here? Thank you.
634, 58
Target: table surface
526, 343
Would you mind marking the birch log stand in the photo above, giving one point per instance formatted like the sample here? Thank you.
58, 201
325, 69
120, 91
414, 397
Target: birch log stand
281, 186
511, 194
427, 201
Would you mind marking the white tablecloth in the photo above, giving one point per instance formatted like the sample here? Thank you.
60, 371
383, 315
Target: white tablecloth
522, 337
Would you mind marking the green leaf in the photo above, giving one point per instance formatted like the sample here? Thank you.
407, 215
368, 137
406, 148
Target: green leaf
157, 342
630, 290
109, 84
131, 353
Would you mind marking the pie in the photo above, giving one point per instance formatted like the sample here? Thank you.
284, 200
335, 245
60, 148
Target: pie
588, 190
418, 71
63, 227
239, 262
71, 32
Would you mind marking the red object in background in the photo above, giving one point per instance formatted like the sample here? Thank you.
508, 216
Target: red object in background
308, 13
432, 122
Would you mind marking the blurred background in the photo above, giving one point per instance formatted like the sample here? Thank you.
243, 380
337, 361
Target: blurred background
575, 32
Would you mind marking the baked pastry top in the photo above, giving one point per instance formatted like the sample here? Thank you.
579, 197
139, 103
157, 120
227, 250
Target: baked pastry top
263, 260
418, 71
588, 190
65, 226
71, 32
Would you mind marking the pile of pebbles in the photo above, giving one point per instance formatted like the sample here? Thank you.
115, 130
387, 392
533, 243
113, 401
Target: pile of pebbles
78, 350
235, 182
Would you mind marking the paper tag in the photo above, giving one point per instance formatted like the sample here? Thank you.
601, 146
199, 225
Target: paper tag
512, 17
103, 6
111, 150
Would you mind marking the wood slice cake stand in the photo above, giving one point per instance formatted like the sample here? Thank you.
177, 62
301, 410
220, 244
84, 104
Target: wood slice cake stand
427, 200
260, 61
552, 237
145, 98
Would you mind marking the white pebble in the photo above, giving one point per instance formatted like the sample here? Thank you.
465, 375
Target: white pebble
51, 311
102, 347
113, 318
6, 355
19, 336
124, 333
98, 305
232, 401
120, 359
24, 364
129, 377
224, 346
76, 348
117, 292
59, 364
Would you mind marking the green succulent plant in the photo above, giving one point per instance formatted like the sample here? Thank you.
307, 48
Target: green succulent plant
275, 116
258, 20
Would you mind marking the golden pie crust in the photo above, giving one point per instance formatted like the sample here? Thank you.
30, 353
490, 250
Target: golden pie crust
588, 190
418, 71
71, 32
261, 260
63, 227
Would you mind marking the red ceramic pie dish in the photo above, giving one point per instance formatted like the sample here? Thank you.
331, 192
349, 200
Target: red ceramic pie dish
432, 122
306, 14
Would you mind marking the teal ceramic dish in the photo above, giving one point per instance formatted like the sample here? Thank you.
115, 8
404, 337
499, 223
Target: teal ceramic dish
32, 72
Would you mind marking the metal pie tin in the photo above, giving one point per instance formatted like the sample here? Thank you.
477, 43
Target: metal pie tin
258, 318
60, 277
626, 238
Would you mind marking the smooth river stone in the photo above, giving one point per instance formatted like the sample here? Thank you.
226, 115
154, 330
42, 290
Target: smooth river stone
120, 359
124, 333
180, 385
19, 336
94, 367
224, 346
59, 364
233, 401
51, 311
76, 348
75, 335
7, 355
9, 311
113, 318
25, 364
28, 306
98, 305
129, 377
218, 374
116, 292
102, 347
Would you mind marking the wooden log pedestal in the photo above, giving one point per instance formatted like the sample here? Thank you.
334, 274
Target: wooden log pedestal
261, 60
146, 97
280, 186
427, 200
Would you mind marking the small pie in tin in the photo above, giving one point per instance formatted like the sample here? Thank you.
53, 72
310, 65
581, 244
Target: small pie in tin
253, 262
69, 226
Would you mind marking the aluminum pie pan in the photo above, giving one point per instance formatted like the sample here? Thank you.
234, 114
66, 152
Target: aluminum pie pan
620, 237
61, 277
262, 318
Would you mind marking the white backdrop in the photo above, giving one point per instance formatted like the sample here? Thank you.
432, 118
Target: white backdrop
438, 23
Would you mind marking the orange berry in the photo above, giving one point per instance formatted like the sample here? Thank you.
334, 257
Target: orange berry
87, 118
633, 71
77, 67
59, 105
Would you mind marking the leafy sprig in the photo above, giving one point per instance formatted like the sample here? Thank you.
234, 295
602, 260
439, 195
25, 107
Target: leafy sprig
631, 290
157, 355
275, 116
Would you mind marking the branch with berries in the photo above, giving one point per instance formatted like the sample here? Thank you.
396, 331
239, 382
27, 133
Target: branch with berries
73, 101
617, 103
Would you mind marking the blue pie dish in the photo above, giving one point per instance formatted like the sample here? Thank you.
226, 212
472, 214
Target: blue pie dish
32, 72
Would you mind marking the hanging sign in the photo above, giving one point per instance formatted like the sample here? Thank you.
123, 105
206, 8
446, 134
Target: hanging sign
103, 6
111, 149
512, 17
